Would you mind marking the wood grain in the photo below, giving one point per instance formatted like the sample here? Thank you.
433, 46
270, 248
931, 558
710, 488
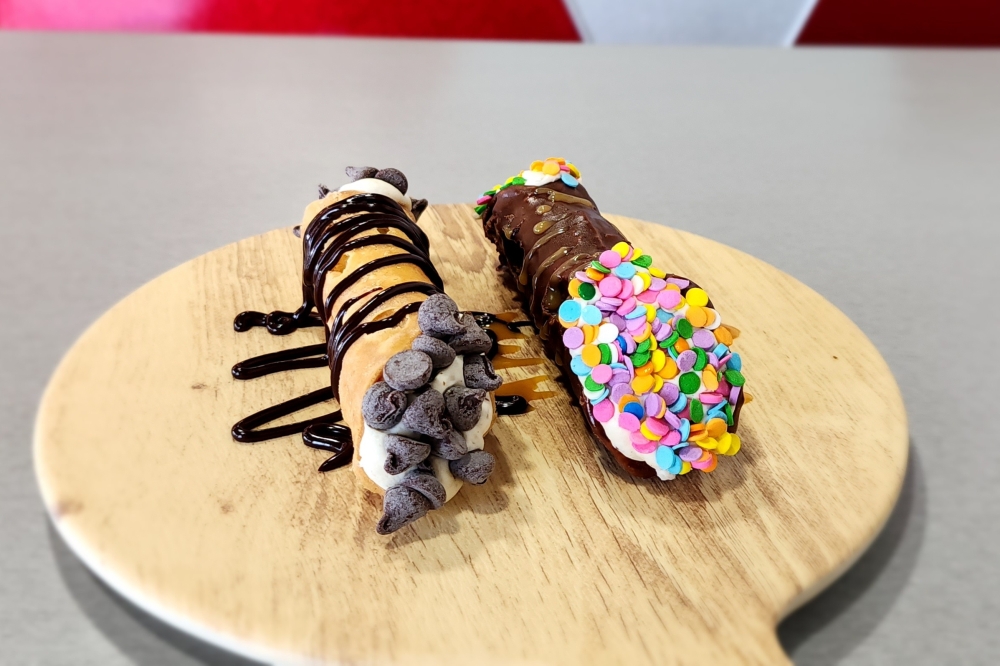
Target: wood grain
560, 558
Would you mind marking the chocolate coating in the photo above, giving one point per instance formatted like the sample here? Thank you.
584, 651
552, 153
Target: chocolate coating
383, 407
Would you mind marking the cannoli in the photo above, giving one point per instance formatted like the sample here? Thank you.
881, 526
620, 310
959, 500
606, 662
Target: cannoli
409, 369
645, 353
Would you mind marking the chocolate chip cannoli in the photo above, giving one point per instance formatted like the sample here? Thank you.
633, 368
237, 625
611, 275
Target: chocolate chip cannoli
645, 352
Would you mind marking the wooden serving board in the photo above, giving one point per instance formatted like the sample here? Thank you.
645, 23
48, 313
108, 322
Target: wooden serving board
560, 558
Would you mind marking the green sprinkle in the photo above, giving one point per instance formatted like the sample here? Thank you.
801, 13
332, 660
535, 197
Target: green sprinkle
605, 353
729, 414
697, 410
644, 345
684, 328
700, 362
689, 383
505, 186
480, 208
587, 291
591, 385
640, 359
597, 266
668, 342
517, 181
673, 353
489, 193
735, 377
645, 261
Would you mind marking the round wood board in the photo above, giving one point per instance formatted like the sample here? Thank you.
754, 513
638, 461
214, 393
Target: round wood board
560, 558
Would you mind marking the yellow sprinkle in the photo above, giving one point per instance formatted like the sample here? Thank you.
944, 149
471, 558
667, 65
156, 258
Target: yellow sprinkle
589, 333
710, 379
685, 467
646, 280
636, 253
551, 168
696, 296
725, 443
669, 370
657, 385
708, 443
536, 165
646, 433
716, 427
650, 312
642, 384
560, 160
573, 171
734, 447
656, 272
659, 359
574, 287
747, 398
646, 331
621, 248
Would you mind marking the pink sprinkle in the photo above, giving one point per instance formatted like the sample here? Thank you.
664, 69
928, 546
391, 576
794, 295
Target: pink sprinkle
672, 438
631, 253
628, 364
657, 284
618, 320
611, 285
563, 167
604, 411
657, 427
648, 296
627, 306
724, 360
627, 289
701, 465
641, 444
655, 325
630, 344
610, 258
583, 277
636, 325
601, 374
483, 199
573, 337
605, 307
628, 422
668, 299
710, 398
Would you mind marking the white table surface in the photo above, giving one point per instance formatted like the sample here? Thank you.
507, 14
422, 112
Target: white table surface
871, 175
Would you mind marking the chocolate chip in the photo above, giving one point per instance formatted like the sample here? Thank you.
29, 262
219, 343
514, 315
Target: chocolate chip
474, 467
401, 506
408, 370
394, 177
441, 354
464, 405
323, 190
438, 316
383, 407
403, 453
426, 415
417, 207
428, 486
479, 374
357, 173
451, 446
473, 340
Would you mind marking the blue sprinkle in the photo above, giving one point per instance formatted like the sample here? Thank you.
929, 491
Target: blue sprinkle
570, 311
673, 353
618, 366
685, 429
579, 367
569, 179
604, 394
663, 315
638, 312
635, 409
735, 362
621, 342
591, 315
716, 411
678, 406
720, 350
665, 457
624, 270
676, 466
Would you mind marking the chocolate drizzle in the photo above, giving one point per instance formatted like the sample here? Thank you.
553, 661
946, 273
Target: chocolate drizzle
310, 356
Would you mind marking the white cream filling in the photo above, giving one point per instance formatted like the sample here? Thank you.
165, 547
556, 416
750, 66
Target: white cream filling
537, 178
372, 446
376, 186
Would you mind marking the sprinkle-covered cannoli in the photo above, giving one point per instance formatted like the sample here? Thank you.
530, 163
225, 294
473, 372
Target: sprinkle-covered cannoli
645, 352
